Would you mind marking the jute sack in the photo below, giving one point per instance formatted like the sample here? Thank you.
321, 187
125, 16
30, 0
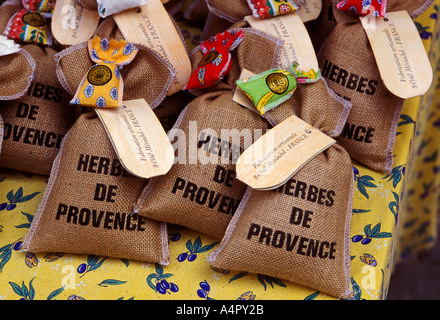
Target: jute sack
235, 11
147, 77
17, 74
7, 10
320, 28
200, 191
348, 63
171, 107
36, 122
196, 11
86, 207
299, 232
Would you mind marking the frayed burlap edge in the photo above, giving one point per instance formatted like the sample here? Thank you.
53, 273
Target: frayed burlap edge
33, 66
159, 97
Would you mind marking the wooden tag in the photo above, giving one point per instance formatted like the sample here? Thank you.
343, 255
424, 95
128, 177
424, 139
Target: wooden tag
310, 10
151, 26
275, 157
401, 57
73, 24
141, 143
297, 44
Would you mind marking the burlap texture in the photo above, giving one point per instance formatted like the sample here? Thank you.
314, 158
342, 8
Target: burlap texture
147, 77
169, 110
102, 226
330, 174
208, 209
236, 10
89, 4
200, 195
197, 11
7, 10
320, 28
316, 104
17, 73
348, 63
243, 248
214, 25
232, 11
329, 171
36, 122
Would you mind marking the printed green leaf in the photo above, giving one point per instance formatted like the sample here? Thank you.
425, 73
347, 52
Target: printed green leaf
111, 282
55, 293
17, 289
312, 296
150, 281
238, 276
189, 245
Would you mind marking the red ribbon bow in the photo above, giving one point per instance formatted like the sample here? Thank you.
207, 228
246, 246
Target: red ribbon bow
376, 8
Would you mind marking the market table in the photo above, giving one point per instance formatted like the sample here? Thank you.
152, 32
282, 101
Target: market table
394, 216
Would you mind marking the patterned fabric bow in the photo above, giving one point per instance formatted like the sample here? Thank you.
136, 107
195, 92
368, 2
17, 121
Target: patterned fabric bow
269, 89
30, 24
266, 9
102, 86
216, 61
376, 8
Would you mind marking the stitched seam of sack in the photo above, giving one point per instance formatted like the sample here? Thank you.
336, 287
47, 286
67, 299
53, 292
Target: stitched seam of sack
173, 71
50, 183
33, 65
220, 13
392, 138
59, 69
347, 240
166, 256
344, 114
2, 130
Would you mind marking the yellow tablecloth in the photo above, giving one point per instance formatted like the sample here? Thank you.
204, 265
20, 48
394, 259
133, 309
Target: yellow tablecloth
398, 212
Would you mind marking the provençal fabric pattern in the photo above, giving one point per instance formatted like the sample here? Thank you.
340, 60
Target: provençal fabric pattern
394, 216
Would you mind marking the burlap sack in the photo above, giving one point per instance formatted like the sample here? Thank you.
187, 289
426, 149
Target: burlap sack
202, 193
214, 25
301, 231
171, 6
17, 74
348, 63
196, 11
35, 123
147, 77
86, 207
7, 10
320, 28
236, 10
171, 107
